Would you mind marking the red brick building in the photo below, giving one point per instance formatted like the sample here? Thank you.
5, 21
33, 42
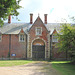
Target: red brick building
29, 40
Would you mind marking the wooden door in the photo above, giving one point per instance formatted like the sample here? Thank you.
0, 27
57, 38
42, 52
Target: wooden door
38, 52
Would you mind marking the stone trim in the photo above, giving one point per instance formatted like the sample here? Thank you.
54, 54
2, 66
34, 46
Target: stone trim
28, 45
48, 36
24, 37
36, 31
32, 43
0, 37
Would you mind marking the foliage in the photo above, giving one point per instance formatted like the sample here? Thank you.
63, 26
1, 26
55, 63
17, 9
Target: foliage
67, 39
8, 7
72, 18
64, 67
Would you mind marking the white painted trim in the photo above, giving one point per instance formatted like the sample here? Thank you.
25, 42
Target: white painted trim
36, 31
27, 46
54, 40
19, 37
40, 39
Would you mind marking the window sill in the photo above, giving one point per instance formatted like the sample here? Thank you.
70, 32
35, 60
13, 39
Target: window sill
21, 41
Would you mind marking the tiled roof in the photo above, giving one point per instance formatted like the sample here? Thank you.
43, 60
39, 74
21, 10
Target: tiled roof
14, 28
52, 26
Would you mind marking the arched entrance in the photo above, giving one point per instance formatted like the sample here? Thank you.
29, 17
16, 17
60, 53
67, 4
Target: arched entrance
38, 49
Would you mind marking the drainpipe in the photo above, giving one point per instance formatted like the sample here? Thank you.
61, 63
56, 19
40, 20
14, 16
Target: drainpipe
26, 46
50, 47
9, 45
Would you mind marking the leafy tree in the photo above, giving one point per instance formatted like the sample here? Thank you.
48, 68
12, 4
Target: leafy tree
8, 7
67, 39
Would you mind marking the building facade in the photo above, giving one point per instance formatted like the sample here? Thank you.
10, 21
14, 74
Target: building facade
29, 40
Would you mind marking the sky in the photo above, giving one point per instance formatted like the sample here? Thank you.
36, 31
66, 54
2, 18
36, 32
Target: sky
57, 10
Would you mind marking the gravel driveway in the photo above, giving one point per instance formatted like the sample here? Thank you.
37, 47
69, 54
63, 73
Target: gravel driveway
37, 68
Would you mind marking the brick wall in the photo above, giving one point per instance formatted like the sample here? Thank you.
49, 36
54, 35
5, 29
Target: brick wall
15, 47
18, 48
33, 36
4, 46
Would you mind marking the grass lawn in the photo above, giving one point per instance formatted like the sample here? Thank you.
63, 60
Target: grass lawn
64, 67
5, 63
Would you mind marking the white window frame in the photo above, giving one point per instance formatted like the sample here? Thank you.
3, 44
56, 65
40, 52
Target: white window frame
54, 39
22, 38
36, 30
0, 37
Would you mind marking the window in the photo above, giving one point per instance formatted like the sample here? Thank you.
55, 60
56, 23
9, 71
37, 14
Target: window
37, 44
21, 37
0, 37
54, 38
38, 31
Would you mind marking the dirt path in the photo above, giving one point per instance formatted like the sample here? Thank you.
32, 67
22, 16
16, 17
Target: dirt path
37, 68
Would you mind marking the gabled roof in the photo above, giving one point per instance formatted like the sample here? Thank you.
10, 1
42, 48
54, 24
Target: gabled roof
15, 28
52, 26
39, 21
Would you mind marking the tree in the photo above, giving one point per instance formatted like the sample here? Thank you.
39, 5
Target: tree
67, 39
8, 7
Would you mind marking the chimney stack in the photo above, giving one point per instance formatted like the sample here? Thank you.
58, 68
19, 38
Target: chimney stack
31, 18
45, 18
9, 19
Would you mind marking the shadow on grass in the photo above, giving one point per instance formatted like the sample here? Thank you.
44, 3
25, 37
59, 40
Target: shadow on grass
65, 67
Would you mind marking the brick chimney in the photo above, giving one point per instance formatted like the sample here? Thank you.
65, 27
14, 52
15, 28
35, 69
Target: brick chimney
9, 19
45, 18
31, 18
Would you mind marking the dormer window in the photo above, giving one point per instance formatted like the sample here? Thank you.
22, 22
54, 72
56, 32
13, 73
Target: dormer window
38, 31
0, 37
54, 38
21, 38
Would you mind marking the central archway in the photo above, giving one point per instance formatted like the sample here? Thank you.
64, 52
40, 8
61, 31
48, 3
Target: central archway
38, 49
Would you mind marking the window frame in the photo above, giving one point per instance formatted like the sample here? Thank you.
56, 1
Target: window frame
37, 32
22, 38
54, 38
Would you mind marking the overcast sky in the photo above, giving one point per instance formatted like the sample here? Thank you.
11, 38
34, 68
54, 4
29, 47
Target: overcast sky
57, 10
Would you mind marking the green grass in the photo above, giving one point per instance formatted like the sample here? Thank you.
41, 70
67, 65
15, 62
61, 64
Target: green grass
64, 67
5, 63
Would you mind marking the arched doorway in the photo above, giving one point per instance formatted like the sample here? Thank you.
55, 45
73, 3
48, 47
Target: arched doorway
38, 49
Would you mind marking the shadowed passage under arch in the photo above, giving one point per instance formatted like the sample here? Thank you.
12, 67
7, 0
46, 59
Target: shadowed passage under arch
38, 49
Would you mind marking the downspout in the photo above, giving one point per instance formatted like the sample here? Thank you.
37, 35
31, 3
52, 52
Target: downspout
9, 45
26, 46
50, 47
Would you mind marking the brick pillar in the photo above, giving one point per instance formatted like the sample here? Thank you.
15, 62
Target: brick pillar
9, 19
45, 18
31, 18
